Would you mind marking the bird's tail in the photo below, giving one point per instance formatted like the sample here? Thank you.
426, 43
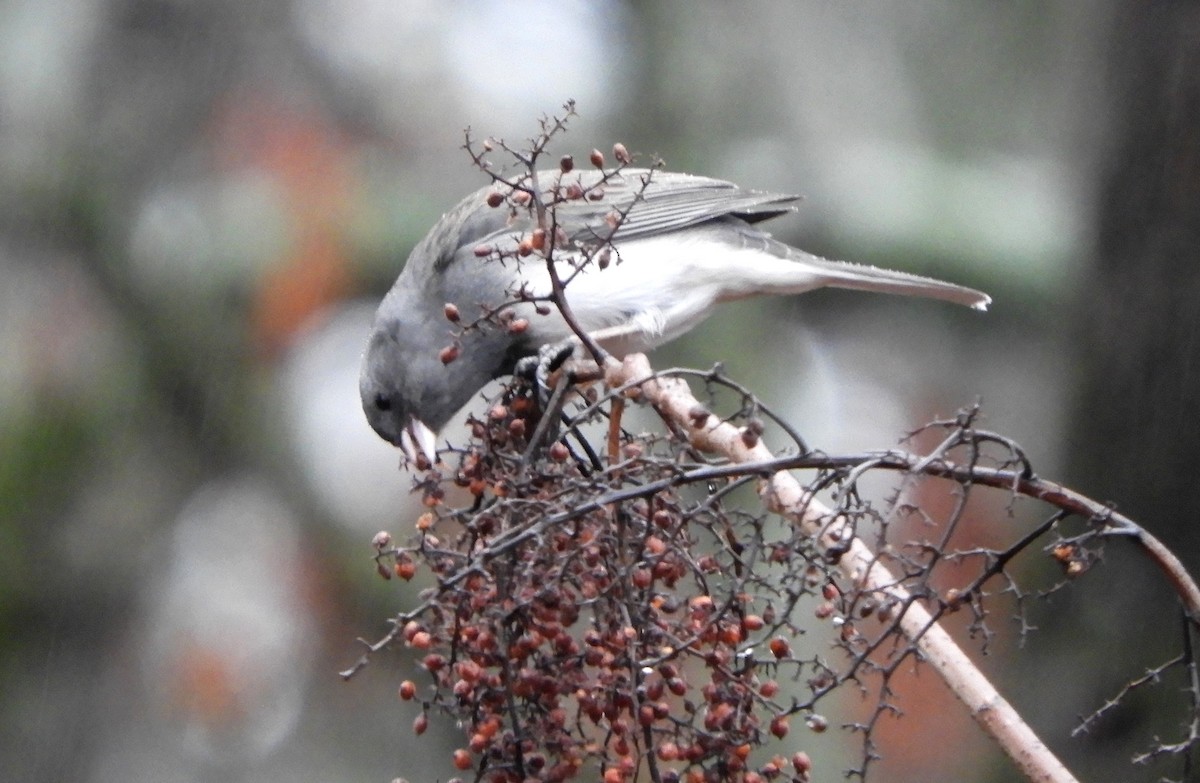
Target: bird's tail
861, 277
773, 267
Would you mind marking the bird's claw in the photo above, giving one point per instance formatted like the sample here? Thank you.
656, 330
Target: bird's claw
538, 369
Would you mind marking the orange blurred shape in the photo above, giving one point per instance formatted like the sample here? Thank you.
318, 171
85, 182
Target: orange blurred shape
313, 165
204, 686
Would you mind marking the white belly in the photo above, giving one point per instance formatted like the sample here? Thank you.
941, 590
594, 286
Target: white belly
659, 287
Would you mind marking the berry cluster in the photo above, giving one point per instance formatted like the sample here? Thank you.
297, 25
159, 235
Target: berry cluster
590, 619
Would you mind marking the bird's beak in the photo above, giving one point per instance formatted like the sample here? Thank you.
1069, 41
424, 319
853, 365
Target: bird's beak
417, 440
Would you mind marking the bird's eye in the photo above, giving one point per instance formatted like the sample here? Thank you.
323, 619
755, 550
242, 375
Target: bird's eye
383, 402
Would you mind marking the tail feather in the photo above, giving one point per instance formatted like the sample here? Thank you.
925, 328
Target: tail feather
861, 277
804, 271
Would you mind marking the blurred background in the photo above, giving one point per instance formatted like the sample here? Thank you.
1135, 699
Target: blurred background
202, 202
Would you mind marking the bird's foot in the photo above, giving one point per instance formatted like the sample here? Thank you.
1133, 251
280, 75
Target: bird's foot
538, 369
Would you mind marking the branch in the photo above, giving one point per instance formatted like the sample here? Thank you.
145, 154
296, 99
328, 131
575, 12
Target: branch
784, 495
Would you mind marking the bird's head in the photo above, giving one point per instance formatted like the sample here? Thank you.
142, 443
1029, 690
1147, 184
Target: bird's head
408, 392
392, 397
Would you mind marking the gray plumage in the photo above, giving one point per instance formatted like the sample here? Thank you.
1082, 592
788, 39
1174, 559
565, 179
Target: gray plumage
687, 243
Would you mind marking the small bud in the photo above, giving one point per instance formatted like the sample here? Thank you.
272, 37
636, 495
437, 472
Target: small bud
566, 163
381, 539
538, 238
817, 723
779, 726
449, 353
801, 762
622, 154
698, 415
1064, 553
408, 690
462, 759
518, 326
420, 723
573, 192
495, 198
542, 309
597, 159
953, 598
450, 310
749, 438
488, 145
559, 451
483, 251
604, 258
425, 521
383, 571
521, 197
498, 412
525, 247
596, 193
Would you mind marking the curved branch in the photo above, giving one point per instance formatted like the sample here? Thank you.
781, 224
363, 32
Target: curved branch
784, 495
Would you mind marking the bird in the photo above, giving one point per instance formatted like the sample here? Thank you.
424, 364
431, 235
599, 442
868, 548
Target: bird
676, 245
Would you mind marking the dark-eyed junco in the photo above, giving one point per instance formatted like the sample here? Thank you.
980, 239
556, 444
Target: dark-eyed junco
676, 245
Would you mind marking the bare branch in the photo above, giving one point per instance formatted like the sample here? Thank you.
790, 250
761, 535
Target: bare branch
785, 495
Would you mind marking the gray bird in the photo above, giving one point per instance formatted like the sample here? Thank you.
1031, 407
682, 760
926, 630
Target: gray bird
685, 243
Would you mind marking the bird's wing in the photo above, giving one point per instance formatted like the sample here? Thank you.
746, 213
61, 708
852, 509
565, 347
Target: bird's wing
658, 202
